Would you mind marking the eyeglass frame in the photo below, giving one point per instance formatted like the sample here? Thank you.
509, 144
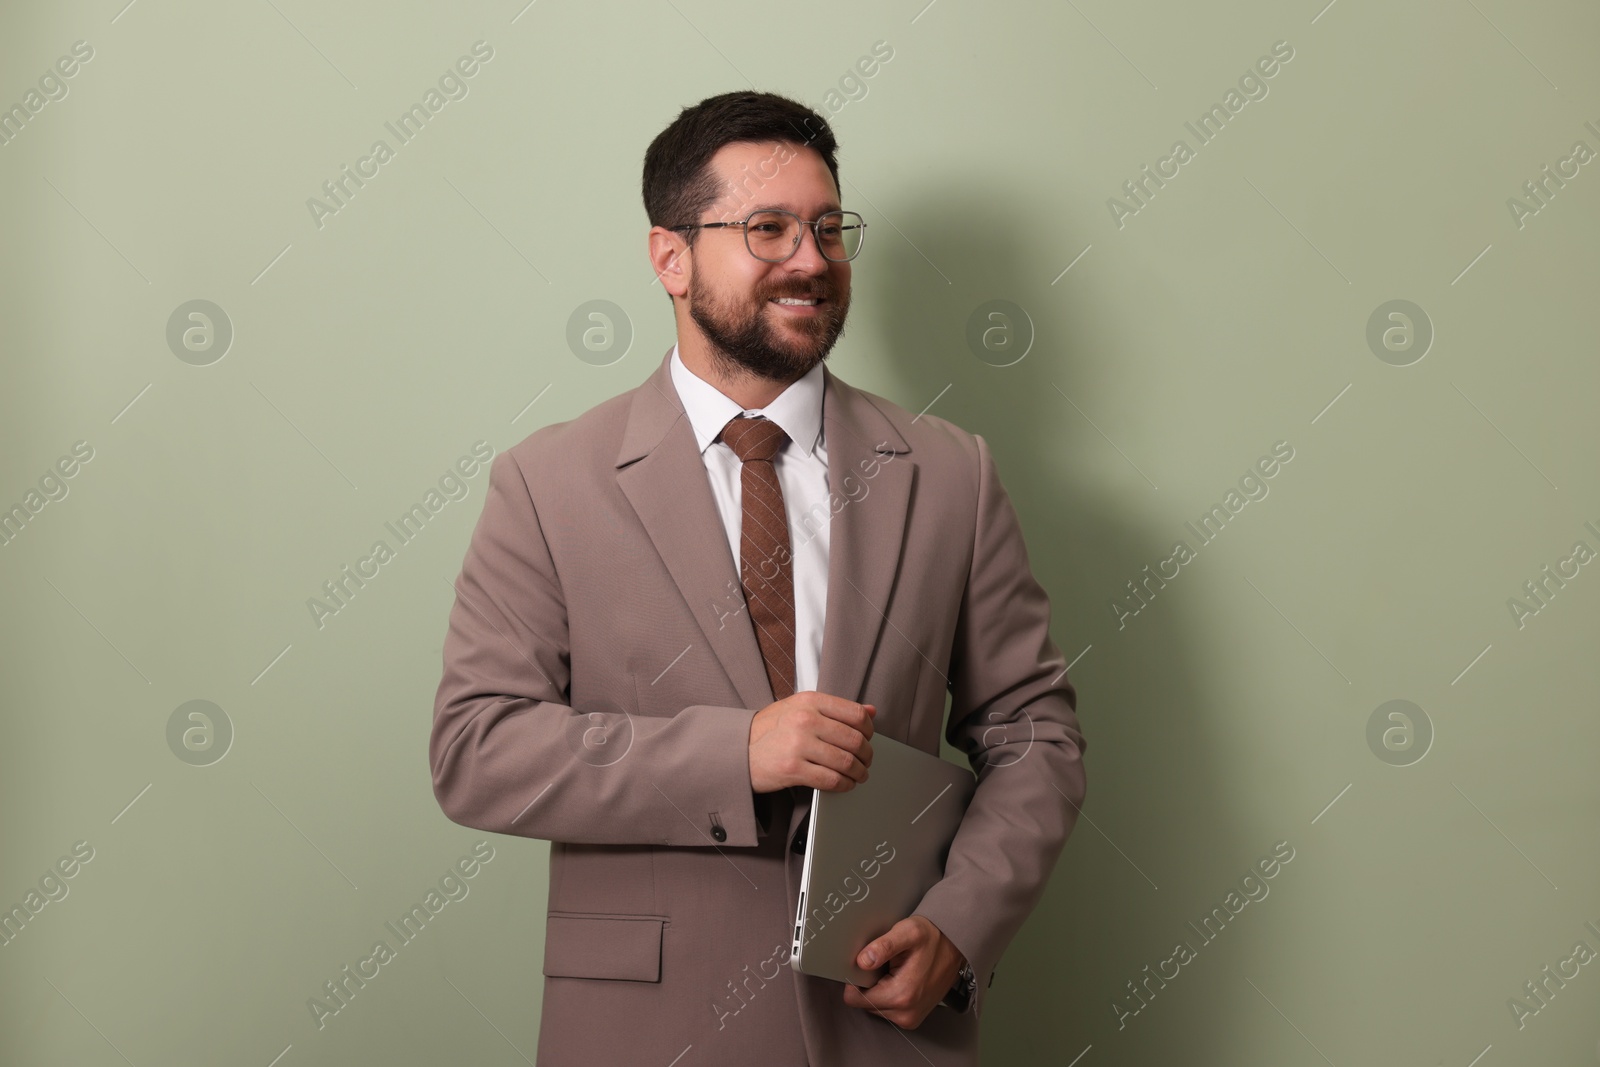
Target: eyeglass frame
744, 223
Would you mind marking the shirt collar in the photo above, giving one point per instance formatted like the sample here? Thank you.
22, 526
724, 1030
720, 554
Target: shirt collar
798, 409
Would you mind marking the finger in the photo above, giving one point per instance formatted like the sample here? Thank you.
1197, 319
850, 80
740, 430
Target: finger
854, 715
836, 751
887, 999
826, 778
882, 949
827, 768
848, 738
854, 998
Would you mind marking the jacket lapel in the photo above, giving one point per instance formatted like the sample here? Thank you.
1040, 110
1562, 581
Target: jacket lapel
869, 481
664, 478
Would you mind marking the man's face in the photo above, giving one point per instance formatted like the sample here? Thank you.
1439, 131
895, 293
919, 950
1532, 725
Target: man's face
733, 295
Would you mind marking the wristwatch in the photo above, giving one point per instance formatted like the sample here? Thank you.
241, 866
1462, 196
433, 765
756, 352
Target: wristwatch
960, 996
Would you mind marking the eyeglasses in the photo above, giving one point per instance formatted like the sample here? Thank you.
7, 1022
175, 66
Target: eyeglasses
773, 235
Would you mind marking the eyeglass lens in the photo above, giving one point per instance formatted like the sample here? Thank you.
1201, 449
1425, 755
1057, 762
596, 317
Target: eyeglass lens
774, 235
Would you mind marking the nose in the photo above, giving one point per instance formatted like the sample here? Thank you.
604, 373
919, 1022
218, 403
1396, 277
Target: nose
808, 257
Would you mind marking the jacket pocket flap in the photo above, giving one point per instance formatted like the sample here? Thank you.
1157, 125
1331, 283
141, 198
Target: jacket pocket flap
591, 946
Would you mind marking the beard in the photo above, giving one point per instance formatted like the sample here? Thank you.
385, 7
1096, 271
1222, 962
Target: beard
744, 338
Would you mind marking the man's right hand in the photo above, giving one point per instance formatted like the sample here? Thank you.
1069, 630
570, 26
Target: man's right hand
810, 739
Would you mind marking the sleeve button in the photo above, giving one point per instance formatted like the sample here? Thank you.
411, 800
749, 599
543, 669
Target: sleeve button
719, 833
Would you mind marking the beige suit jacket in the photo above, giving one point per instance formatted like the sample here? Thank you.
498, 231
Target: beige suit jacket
600, 676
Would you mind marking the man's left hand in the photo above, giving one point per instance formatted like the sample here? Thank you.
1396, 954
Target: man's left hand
922, 967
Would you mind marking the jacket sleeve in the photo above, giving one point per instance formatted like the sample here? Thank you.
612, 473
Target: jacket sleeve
1013, 712
509, 755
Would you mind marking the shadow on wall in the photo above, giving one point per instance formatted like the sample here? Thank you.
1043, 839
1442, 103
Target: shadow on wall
1155, 792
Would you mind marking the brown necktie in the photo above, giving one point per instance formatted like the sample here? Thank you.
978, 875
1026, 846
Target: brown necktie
765, 564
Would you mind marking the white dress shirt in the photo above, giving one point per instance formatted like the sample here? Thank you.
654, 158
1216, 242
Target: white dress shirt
802, 469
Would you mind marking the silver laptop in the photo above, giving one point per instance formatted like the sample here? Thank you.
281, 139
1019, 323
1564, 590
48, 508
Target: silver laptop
871, 854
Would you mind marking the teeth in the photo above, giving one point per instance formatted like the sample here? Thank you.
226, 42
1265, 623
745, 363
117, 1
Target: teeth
795, 300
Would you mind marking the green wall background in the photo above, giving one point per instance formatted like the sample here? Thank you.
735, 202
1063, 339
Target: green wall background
1226, 314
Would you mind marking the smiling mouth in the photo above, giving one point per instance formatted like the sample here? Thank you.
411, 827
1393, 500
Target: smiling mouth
797, 301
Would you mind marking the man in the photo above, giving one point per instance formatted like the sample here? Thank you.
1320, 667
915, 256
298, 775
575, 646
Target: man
688, 607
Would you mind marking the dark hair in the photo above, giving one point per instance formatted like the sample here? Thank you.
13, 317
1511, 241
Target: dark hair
678, 182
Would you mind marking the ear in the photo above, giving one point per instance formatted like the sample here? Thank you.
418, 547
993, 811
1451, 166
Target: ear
670, 259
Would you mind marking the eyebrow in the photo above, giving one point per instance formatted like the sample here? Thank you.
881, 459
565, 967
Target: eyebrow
831, 206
